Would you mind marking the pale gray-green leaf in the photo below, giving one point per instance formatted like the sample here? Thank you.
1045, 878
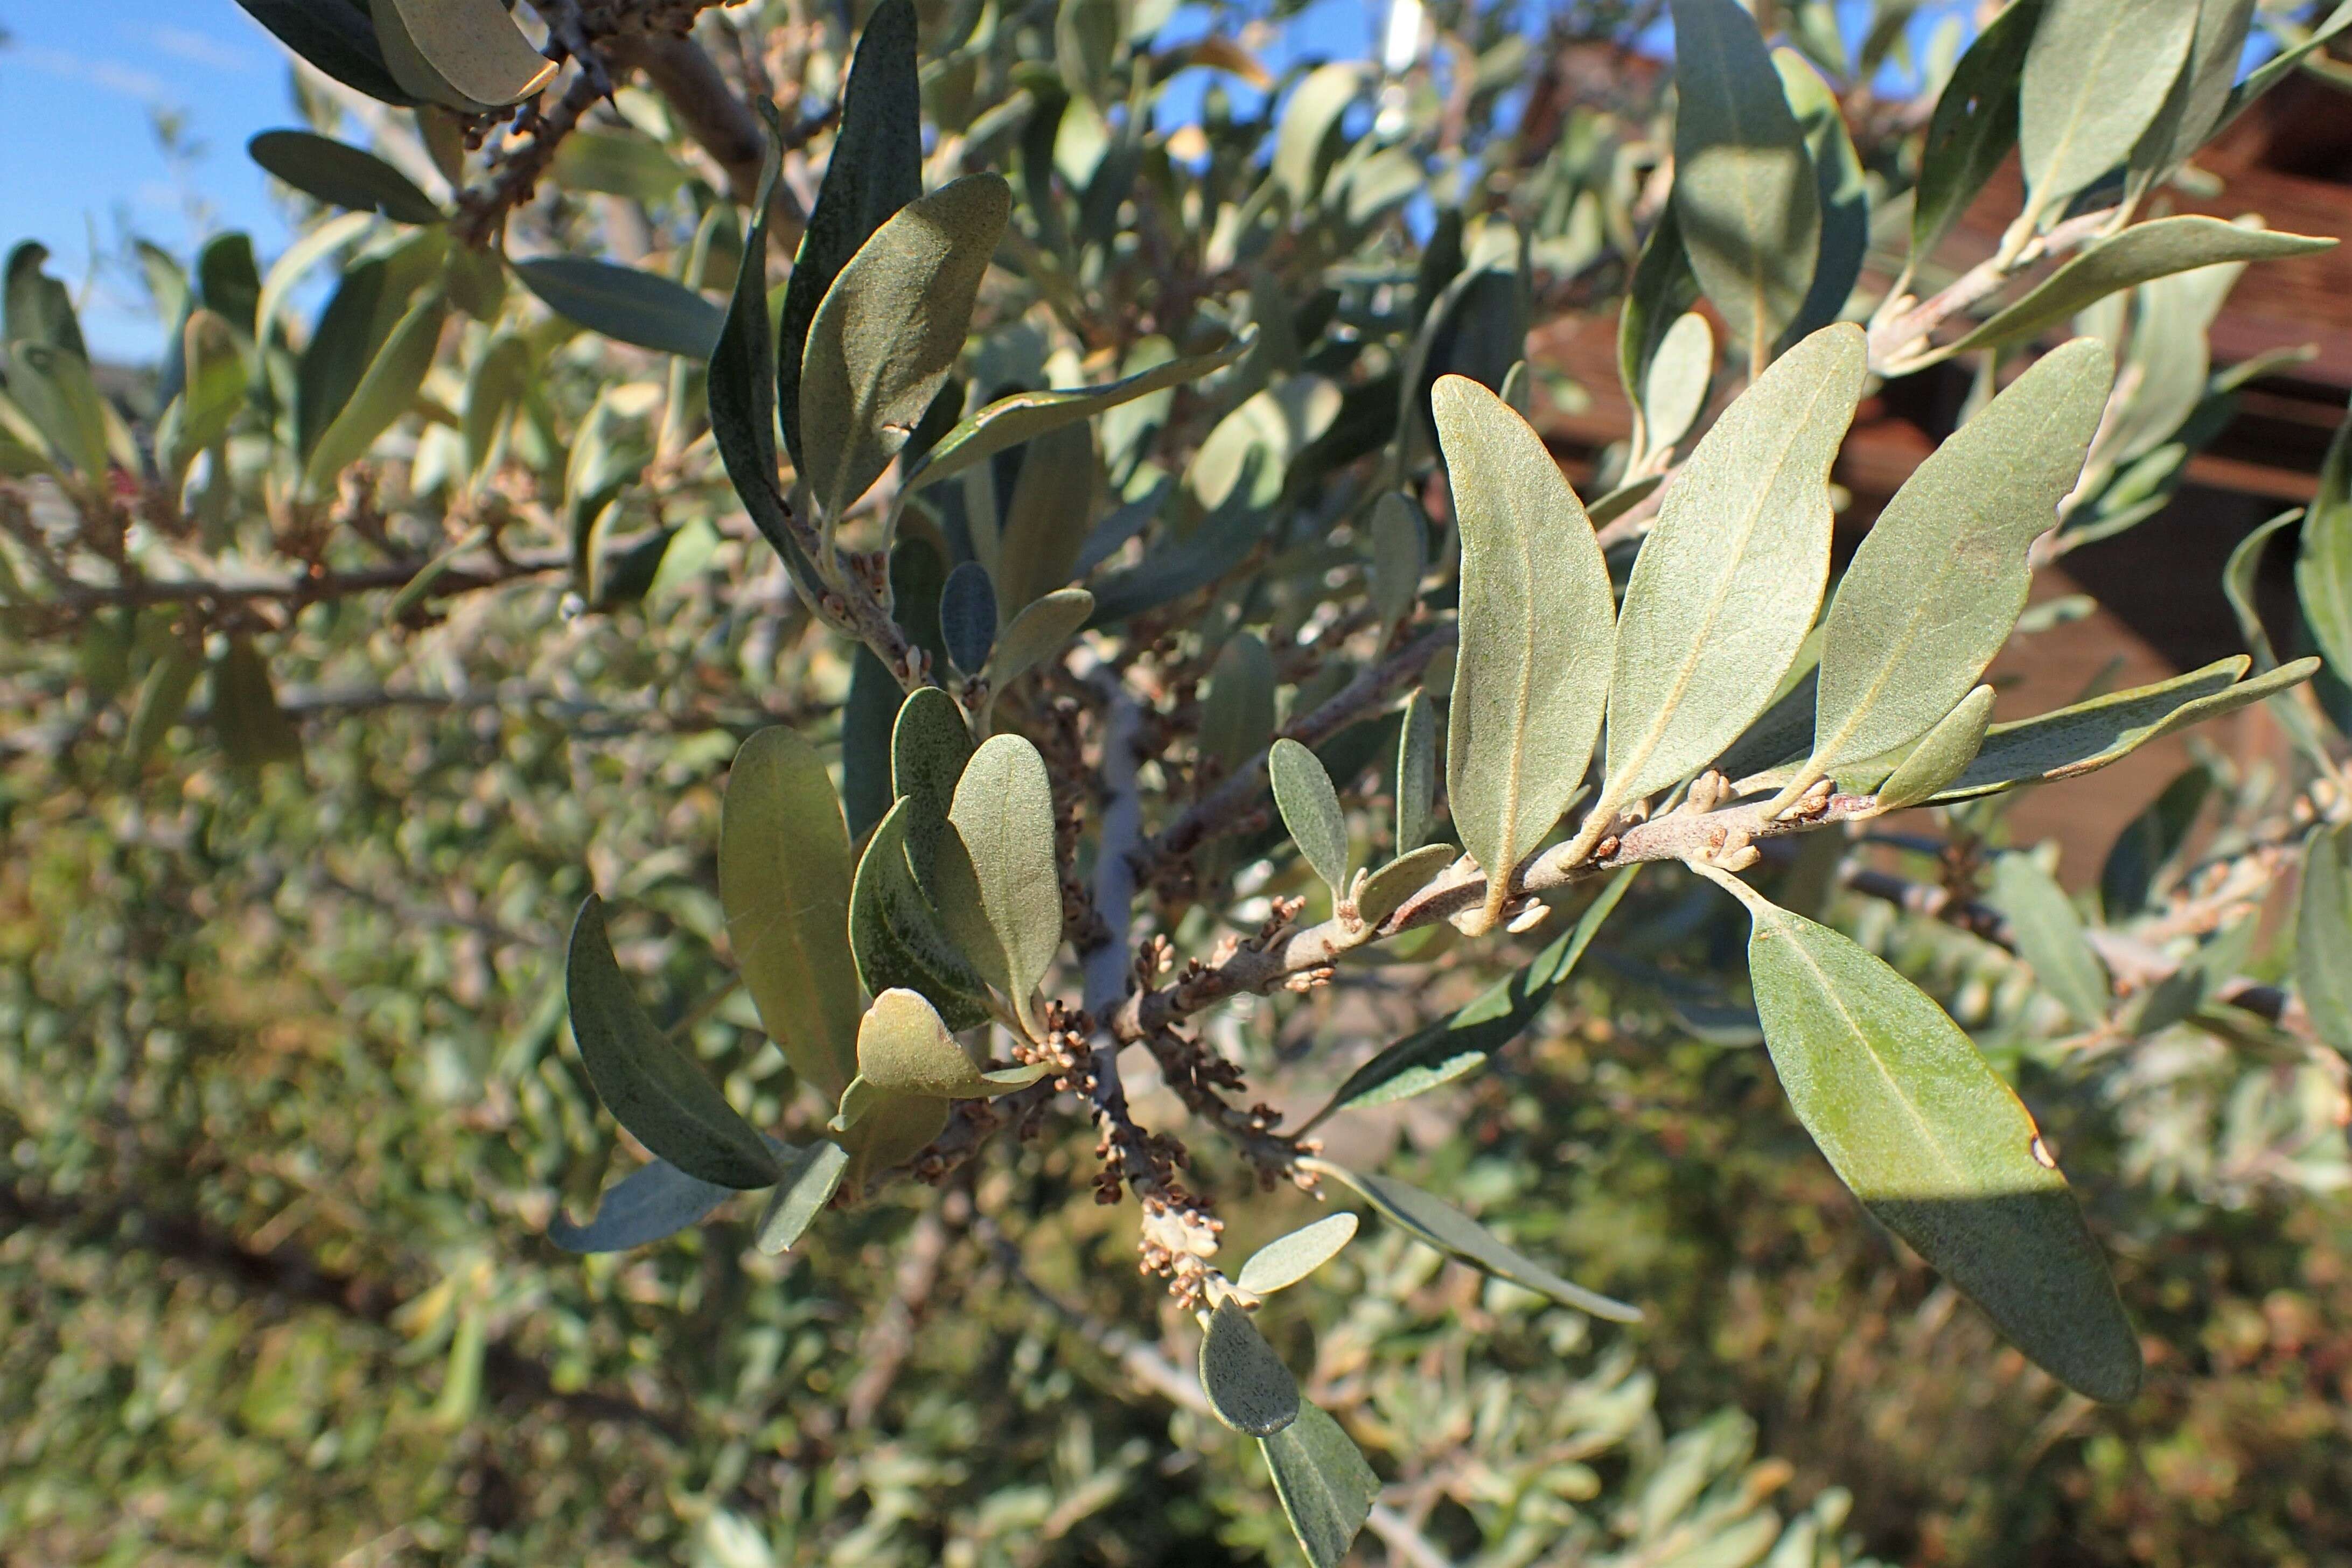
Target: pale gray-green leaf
2049, 937
1287, 1260
649, 1203
1400, 555
904, 1048
1840, 189
1045, 520
1248, 1387
382, 395
1310, 810
1308, 118
1416, 772
1974, 125
2323, 937
465, 54
1674, 392
1385, 890
1039, 632
812, 1173
2096, 75
1003, 812
1942, 755
1325, 1489
2323, 567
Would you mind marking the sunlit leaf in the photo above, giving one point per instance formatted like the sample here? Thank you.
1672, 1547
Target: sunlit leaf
2096, 75
1284, 1261
464, 54
811, 1176
1973, 128
1003, 816
2323, 567
2323, 937
1310, 810
382, 395
1942, 755
2049, 937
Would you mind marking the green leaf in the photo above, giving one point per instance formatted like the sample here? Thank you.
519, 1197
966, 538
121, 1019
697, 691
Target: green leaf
1284, 1261
1942, 755
383, 395
652, 1087
1310, 810
811, 1176
464, 54
2089, 736
2323, 566
617, 164
1745, 195
2151, 249
1839, 190
253, 730
2129, 878
1385, 890
625, 304
1326, 1490
929, 744
876, 168
163, 698
1933, 592
1023, 416
2323, 937
1221, 543
54, 388
2049, 937
1725, 588
783, 884
1531, 680
337, 40
228, 283
1416, 773
494, 389
894, 1130
294, 265
1248, 1387
904, 1048
898, 937
1045, 521
1973, 128
649, 1203
2096, 75
1400, 540
1237, 708
1004, 813
35, 307
1309, 116
1661, 293
212, 394
342, 175
968, 616
1936, 1144
1675, 392
2200, 93
1461, 1043
1040, 631
2267, 74
867, 720
888, 331
1438, 1224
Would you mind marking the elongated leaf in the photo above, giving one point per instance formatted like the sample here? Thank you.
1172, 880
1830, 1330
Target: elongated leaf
2129, 878
253, 730
212, 394
1004, 813
1973, 128
1284, 1261
383, 395
1310, 810
1942, 755
163, 698
904, 1048
1531, 681
1461, 1043
1045, 519
1936, 1146
783, 882
35, 307
625, 304
898, 937
1680, 376
1037, 633
1222, 541
968, 616
342, 175
2049, 937
2145, 250
811, 1176
1024, 416
338, 39
1248, 1387
1933, 592
2089, 736
2200, 93
494, 390
465, 54
1744, 197
2323, 566
1399, 556
888, 331
1309, 116
2096, 75
1325, 1489
875, 169
1725, 588
2267, 74
1416, 773
1660, 292
54, 388
1440, 1225
649, 1203
1839, 190
652, 1087
2323, 937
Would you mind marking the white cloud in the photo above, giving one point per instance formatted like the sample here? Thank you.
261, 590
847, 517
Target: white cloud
197, 48
104, 75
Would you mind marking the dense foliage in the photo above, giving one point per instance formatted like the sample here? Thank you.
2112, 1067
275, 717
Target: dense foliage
955, 617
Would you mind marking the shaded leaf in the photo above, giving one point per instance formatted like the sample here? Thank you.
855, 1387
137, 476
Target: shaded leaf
342, 175
1045, 520
35, 307
651, 1086
252, 729
1973, 128
1400, 555
1221, 543
212, 394
897, 936
1310, 810
383, 395
649, 1203
337, 40
1284, 1261
1309, 116
1040, 631
1325, 1489
163, 698
2268, 74
1416, 773
54, 388
968, 616
2096, 74
1839, 191
1675, 392
2323, 937
1385, 891
1248, 1387
2323, 566
625, 304
1660, 292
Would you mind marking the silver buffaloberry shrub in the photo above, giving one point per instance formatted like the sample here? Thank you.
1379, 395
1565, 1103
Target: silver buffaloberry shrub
1218, 632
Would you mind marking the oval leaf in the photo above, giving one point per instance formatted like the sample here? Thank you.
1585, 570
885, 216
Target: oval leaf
1041, 631
1283, 1262
1310, 810
904, 1048
1326, 1490
1248, 1387
625, 304
647, 1205
1003, 814
968, 616
899, 937
2096, 74
465, 54
382, 395
2323, 935
342, 175
1942, 755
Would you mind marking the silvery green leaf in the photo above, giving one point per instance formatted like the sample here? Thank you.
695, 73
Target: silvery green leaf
1461, 1042
1933, 592
2088, 735
812, 1173
2145, 250
465, 54
651, 1085
625, 304
930, 746
212, 393
2200, 93
876, 168
1004, 813
1936, 1144
1219, 543
887, 332
1745, 194
1046, 521
867, 720
1385, 890
1674, 392
2268, 74
54, 388
968, 616
1725, 588
649, 1203
1399, 556
1660, 292
1037, 633
1839, 190
1416, 772
1973, 128
2323, 937
1309, 116
1325, 1489
2049, 937
894, 1129
1237, 708
2323, 567
904, 1048
1284, 1261
1440, 1225
1310, 810
2096, 76
1531, 680
1942, 755
1248, 1387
